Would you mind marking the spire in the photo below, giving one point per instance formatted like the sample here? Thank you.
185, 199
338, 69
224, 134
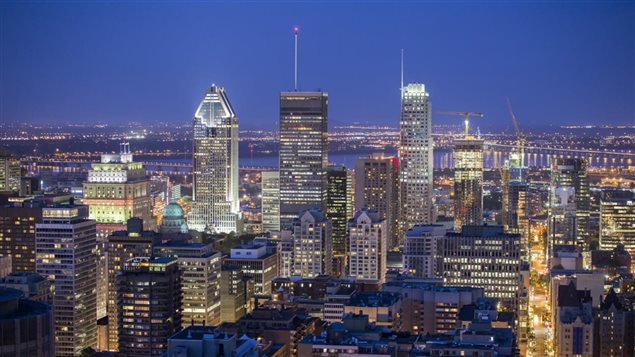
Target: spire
401, 74
296, 30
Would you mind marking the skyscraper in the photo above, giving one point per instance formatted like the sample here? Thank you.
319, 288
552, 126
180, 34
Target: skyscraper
367, 247
64, 245
215, 204
468, 182
415, 157
17, 232
270, 201
122, 246
617, 222
516, 214
9, 172
484, 257
571, 175
117, 189
149, 300
377, 188
339, 191
303, 152
312, 244
200, 268
256, 263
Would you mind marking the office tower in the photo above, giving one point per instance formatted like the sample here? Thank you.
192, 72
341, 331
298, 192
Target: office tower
483, 257
303, 153
117, 189
377, 188
17, 233
339, 191
64, 245
9, 172
617, 222
573, 325
33, 285
122, 246
149, 300
26, 325
570, 175
200, 268
415, 157
468, 182
516, 211
173, 220
270, 201
215, 178
236, 292
256, 263
312, 244
420, 246
367, 246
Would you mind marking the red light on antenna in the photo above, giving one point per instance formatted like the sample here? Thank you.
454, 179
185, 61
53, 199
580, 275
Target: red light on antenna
296, 29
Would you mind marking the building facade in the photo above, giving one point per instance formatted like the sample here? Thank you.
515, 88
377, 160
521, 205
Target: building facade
303, 152
420, 250
215, 206
617, 223
9, 172
200, 267
415, 157
484, 257
570, 176
377, 188
270, 201
149, 297
256, 263
64, 252
122, 246
468, 182
339, 202
312, 244
367, 247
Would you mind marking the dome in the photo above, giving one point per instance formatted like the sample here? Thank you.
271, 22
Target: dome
173, 210
173, 220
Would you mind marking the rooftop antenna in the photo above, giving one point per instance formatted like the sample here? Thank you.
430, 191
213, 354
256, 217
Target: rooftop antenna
296, 29
402, 73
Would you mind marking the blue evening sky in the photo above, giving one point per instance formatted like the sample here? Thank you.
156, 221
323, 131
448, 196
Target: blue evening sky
148, 61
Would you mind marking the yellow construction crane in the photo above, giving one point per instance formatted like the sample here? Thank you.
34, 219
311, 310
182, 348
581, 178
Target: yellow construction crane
519, 161
466, 116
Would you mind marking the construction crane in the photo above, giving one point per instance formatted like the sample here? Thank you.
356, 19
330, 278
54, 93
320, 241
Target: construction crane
519, 159
466, 116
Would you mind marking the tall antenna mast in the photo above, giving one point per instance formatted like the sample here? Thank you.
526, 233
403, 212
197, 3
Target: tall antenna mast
402, 73
295, 50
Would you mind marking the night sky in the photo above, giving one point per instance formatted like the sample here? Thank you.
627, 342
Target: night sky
146, 61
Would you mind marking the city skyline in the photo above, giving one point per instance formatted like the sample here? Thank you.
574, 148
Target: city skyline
540, 55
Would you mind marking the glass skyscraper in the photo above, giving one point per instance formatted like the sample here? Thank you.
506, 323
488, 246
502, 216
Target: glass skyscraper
468, 182
215, 191
303, 152
415, 157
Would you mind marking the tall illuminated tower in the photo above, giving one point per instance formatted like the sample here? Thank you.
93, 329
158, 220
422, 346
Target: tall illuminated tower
270, 202
9, 172
116, 190
303, 152
468, 182
339, 197
216, 207
570, 175
64, 253
415, 157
